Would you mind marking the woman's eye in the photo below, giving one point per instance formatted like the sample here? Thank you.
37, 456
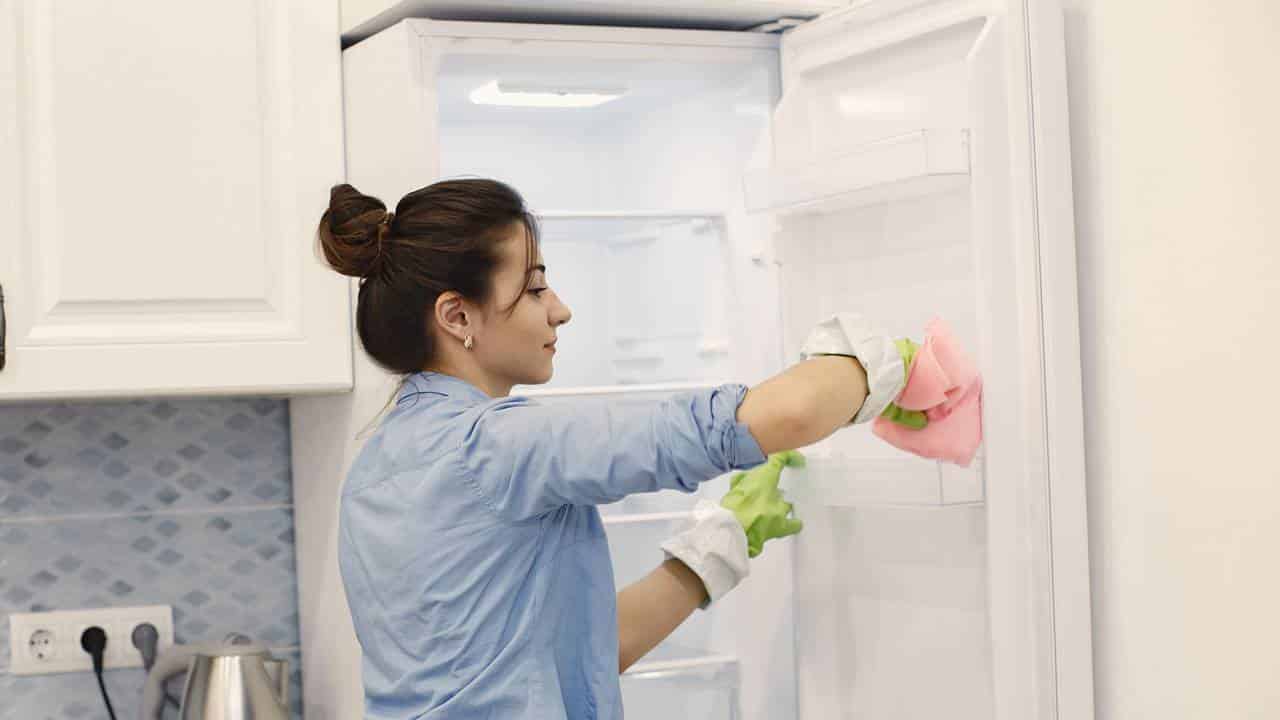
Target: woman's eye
537, 292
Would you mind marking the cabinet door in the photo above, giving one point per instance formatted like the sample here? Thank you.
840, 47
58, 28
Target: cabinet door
164, 168
919, 168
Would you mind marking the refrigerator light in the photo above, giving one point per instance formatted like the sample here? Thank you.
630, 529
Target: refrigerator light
497, 93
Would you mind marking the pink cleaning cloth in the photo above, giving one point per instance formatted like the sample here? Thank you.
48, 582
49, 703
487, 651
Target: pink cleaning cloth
945, 384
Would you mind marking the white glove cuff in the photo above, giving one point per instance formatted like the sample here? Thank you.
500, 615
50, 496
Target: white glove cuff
853, 335
715, 549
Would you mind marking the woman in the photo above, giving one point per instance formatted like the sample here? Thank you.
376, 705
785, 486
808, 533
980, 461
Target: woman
473, 557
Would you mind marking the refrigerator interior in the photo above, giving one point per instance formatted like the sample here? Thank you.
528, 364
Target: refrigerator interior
638, 201
667, 259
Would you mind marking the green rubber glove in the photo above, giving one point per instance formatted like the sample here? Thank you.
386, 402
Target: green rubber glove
915, 419
754, 498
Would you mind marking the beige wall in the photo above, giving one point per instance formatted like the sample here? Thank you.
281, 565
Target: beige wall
1175, 134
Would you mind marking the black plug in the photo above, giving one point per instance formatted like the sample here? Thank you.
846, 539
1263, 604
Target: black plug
94, 642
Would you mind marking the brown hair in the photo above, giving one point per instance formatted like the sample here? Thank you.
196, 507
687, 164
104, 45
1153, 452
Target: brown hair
441, 237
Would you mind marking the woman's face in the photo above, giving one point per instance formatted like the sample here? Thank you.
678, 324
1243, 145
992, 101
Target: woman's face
518, 344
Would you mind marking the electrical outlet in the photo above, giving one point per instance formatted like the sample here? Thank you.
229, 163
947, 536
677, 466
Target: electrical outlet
49, 642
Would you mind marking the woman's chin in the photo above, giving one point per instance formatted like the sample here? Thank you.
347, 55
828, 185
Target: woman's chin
541, 378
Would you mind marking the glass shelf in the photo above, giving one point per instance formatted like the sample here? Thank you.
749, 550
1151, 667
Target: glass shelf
907, 481
679, 683
635, 392
923, 162
670, 660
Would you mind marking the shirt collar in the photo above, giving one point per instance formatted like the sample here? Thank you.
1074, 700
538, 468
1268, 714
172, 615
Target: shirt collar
435, 384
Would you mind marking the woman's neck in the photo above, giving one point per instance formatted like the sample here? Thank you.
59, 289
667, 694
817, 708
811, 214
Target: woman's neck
473, 374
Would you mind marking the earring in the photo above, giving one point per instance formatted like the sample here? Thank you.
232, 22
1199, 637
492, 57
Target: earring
468, 343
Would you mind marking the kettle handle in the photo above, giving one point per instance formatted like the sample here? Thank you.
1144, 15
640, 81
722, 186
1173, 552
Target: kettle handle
172, 661
278, 671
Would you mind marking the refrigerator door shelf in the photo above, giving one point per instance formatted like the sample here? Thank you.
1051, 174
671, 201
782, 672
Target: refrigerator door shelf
924, 162
907, 481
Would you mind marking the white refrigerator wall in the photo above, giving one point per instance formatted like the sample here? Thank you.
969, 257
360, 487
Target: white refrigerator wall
1175, 150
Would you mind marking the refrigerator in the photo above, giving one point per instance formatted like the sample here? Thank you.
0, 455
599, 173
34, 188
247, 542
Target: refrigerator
704, 198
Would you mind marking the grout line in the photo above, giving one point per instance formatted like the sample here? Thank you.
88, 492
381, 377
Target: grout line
279, 650
142, 514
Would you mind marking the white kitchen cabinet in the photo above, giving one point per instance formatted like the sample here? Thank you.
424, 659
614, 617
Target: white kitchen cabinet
362, 18
162, 170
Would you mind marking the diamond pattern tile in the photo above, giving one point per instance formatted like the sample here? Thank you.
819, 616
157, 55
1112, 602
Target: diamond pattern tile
143, 455
200, 481
221, 573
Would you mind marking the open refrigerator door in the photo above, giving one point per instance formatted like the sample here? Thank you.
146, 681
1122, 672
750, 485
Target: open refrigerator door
915, 173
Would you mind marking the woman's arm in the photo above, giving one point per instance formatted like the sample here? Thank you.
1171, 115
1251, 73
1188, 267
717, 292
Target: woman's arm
798, 407
805, 403
652, 608
527, 458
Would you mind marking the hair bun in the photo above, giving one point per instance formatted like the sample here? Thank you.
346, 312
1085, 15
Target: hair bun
354, 231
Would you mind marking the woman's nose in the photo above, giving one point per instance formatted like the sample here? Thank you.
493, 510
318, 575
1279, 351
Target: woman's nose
560, 313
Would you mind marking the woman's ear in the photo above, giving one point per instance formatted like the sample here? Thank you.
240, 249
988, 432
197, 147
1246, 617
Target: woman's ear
454, 316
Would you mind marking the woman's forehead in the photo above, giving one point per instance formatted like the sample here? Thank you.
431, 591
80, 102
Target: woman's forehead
515, 249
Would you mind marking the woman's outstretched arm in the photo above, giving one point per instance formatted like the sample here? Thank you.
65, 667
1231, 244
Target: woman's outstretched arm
805, 403
798, 407
652, 608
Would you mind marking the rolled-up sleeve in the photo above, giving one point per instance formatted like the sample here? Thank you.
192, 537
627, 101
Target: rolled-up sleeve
526, 458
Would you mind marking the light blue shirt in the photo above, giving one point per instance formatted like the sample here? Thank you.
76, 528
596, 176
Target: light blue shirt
475, 562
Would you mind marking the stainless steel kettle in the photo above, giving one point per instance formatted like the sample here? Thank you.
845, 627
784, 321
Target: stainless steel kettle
235, 682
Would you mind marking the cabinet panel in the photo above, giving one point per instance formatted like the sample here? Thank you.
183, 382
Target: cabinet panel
169, 166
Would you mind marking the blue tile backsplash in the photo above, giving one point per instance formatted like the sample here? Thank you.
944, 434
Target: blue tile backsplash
183, 502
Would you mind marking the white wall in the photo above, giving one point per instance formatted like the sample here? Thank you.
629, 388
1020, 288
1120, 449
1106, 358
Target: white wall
1175, 112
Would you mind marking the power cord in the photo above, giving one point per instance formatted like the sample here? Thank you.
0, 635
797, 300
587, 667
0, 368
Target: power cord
145, 638
94, 642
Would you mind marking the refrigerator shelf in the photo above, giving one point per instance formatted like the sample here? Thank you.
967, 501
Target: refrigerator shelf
907, 481
924, 162
621, 226
651, 389
712, 667
637, 359
675, 681
628, 338
646, 518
